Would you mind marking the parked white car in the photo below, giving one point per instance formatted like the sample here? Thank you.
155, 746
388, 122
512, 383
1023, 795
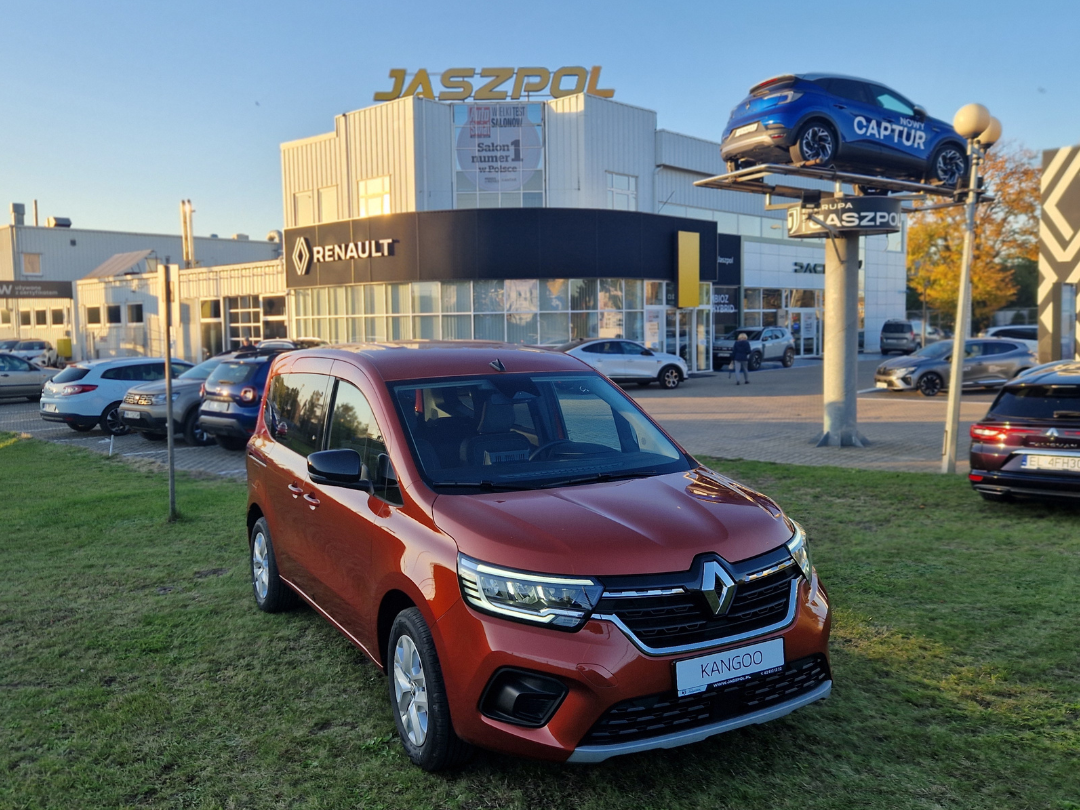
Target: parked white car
88, 394
38, 352
1022, 333
629, 361
21, 378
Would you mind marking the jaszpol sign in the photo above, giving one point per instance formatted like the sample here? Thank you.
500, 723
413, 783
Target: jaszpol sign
849, 215
494, 84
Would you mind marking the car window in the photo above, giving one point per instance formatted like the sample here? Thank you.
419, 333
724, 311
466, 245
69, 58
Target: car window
1027, 333
9, 363
974, 349
353, 427
232, 373
891, 101
117, 373
849, 89
201, 371
1039, 402
631, 348
296, 410
149, 372
71, 374
896, 326
604, 347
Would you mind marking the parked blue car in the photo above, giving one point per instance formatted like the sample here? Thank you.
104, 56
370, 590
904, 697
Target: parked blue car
232, 396
824, 119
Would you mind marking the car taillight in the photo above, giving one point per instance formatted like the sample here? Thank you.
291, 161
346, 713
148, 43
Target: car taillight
248, 395
70, 390
998, 433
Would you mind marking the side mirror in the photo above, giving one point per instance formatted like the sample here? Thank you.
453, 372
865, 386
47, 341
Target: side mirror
920, 113
339, 468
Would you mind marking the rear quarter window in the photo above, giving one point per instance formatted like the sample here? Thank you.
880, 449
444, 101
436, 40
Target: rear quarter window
1038, 402
296, 411
71, 374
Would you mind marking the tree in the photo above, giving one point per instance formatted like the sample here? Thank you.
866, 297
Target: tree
1006, 237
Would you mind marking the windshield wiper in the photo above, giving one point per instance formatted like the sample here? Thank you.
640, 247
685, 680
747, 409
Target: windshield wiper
1067, 414
600, 478
491, 486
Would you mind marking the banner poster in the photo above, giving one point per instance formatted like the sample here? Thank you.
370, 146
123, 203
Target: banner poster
499, 147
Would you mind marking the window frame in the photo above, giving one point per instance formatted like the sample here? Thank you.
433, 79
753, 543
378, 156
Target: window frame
377, 490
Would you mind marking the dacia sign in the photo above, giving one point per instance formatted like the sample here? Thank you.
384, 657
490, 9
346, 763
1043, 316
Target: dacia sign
495, 84
846, 216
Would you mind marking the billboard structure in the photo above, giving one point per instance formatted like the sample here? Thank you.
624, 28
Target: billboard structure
1059, 254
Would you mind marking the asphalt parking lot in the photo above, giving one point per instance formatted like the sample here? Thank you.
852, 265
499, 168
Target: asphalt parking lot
775, 418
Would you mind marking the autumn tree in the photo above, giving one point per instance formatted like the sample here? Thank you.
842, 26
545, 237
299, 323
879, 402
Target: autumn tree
1006, 235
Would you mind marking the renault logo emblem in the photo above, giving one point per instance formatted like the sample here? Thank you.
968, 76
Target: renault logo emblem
301, 256
717, 587
1052, 433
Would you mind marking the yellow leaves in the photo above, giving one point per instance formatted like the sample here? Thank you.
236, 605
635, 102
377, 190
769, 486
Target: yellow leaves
1006, 232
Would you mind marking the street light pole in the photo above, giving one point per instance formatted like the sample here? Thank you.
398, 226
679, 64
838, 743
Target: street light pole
169, 426
981, 131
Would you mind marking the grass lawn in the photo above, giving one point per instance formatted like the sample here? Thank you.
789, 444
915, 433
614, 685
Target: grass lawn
136, 670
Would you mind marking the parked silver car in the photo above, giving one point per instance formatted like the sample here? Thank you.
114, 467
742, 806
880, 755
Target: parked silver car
144, 406
906, 335
38, 352
988, 363
768, 343
21, 378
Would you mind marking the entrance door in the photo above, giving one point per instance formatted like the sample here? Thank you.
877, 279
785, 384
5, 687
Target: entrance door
684, 334
806, 329
703, 340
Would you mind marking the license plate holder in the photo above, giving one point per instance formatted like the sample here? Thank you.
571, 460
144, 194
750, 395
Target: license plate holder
881, 384
694, 675
744, 130
1070, 464
131, 414
215, 405
49, 407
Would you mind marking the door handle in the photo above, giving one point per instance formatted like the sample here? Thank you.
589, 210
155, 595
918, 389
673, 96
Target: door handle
295, 490
840, 106
312, 501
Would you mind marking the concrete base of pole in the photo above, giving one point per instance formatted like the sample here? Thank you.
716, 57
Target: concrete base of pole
841, 344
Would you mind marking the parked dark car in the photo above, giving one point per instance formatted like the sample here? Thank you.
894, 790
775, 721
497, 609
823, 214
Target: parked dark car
1028, 444
988, 363
232, 397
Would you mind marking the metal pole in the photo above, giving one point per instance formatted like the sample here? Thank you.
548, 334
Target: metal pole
963, 318
841, 344
169, 427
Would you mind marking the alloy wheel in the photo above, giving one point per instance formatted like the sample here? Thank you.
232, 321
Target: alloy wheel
930, 385
410, 690
949, 167
671, 378
817, 143
260, 566
114, 423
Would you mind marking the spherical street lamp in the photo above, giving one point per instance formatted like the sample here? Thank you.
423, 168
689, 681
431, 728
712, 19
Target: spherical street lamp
971, 120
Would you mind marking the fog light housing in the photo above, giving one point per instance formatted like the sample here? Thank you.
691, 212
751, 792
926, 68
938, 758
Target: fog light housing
522, 698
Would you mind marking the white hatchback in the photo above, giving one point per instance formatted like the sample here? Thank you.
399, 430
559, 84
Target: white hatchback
629, 361
88, 394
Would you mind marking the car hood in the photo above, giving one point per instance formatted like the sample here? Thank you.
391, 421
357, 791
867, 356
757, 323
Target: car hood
640, 526
158, 386
909, 361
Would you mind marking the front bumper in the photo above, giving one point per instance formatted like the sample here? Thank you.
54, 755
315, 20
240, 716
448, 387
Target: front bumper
138, 418
904, 383
601, 668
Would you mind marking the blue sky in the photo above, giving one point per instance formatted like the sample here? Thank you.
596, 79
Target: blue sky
110, 113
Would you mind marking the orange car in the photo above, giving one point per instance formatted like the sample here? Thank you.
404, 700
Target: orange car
535, 564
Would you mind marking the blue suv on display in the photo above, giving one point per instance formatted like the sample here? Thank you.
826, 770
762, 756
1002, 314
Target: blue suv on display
822, 119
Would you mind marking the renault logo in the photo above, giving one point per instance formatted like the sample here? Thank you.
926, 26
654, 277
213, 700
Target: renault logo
1052, 433
301, 256
717, 587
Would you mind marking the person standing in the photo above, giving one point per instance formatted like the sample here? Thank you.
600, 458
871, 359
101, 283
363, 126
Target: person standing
740, 359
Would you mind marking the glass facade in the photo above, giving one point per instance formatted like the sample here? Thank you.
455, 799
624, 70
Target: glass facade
528, 311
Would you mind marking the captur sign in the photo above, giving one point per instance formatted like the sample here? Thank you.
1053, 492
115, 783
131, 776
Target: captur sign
458, 83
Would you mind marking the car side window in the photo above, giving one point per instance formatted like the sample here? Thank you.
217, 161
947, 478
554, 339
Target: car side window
594, 348
7, 364
891, 101
296, 411
119, 373
973, 350
353, 427
849, 89
998, 348
149, 372
631, 348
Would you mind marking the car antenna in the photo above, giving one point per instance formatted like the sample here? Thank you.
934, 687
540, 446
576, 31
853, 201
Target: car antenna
497, 364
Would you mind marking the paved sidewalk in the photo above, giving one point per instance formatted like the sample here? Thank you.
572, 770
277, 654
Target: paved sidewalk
778, 416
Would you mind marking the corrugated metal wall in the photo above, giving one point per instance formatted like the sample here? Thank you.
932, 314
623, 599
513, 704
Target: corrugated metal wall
564, 124
434, 141
381, 141
308, 165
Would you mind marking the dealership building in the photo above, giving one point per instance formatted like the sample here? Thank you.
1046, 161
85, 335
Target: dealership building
528, 221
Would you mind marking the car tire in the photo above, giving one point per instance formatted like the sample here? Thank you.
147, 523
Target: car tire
669, 377
754, 363
194, 435
948, 166
418, 696
81, 428
234, 443
788, 360
272, 595
816, 141
152, 437
111, 422
930, 384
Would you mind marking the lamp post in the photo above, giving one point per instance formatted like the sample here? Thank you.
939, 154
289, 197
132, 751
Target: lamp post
974, 123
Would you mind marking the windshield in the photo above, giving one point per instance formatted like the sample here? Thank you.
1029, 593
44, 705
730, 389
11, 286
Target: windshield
8, 344
232, 373
939, 349
201, 371
523, 431
751, 334
1039, 402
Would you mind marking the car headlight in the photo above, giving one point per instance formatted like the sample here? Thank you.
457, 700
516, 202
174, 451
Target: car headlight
563, 602
901, 372
159, 399
800, 551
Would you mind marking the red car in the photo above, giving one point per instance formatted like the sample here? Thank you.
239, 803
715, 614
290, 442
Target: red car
535, 564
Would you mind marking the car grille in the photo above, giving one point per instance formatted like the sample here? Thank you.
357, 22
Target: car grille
685, 618
138, 399
665, 713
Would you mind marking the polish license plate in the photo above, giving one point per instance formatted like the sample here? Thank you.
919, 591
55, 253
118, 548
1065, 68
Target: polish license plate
48, 407
881, 384
698, 674
1055, 463
744, 130
215, 405
131, 414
